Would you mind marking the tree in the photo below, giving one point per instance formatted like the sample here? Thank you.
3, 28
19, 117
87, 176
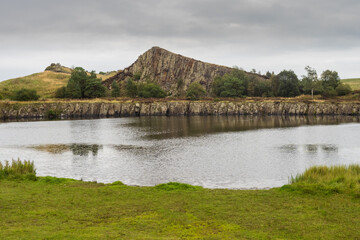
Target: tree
79, 75
150, 90
343, 89
310, 81
73, 89
60, 92
195, 91
25, 95
115, 89
93, 87
288, 84
330, 79
131, 88
232, 84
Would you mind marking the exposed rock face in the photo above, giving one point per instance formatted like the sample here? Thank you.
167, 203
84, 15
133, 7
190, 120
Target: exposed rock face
169, 69
56, 67
171, 108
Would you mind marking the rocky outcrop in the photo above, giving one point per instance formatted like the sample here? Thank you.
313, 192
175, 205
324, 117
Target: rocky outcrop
70, 110
56, 67
173, 72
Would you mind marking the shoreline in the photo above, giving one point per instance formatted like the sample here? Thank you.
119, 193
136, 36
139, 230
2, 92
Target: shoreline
101, 108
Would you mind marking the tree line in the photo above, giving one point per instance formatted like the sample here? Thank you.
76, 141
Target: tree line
237, 83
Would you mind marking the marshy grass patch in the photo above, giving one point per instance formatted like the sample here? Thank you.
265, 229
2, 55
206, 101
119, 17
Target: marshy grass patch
18, 169
327, 180
76, 149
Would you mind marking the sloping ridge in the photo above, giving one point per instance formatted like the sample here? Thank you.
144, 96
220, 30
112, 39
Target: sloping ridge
173, 72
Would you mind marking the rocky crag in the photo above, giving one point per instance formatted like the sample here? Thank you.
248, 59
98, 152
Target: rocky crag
172, 71
69, 110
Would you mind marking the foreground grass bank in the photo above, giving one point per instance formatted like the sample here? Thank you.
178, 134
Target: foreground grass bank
53, 208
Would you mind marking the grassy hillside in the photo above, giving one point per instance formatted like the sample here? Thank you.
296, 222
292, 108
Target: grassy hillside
353, 82
45, 83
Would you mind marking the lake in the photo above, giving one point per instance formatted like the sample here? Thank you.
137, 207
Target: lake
211, 151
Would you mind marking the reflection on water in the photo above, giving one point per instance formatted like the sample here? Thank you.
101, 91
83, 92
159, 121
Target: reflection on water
309, 147
174, 127
213, 151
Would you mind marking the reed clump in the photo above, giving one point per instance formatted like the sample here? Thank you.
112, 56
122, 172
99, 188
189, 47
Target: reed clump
327, 180
18, 169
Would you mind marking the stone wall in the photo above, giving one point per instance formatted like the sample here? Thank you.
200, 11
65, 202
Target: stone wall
70, 110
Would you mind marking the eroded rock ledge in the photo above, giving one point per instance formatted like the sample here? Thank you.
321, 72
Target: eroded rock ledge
70, 110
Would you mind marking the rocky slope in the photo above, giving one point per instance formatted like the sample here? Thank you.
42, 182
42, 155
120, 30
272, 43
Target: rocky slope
172, 71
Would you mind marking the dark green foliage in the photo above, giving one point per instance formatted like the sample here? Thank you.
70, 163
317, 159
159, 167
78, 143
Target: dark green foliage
288, 84
329, 92
195, 91
175, 186
330, 79
343, 89
93, 87
25, 95
180, 83
53, 114
18, 170
73, 89
115, 89
150, 90
232, 84
1, 97
137, 76
60, 92
131, 88
82, 85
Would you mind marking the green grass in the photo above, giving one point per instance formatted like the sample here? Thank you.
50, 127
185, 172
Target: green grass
353, 82
51, 208
327, 180
17, 170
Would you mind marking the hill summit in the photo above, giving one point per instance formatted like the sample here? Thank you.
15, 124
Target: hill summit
173, 72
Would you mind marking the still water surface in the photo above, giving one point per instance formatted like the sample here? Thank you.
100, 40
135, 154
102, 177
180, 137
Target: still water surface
214, 152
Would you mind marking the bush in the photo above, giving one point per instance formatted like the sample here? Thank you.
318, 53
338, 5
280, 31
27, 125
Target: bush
329, 92
1, 97
231, 84
150, 90
343, 89
94, 87
60, 92
25, 95
115, 89
131, 88
195, 91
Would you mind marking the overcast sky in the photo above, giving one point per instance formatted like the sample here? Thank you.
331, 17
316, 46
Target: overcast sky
105, 35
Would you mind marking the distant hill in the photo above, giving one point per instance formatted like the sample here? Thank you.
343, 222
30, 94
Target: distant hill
353, 82
45, 83
173, 72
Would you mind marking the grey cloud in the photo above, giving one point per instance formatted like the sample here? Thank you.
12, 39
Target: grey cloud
235, 27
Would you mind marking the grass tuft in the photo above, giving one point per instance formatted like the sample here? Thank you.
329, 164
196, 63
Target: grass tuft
173, 186
55, 180
327, 180
18, 170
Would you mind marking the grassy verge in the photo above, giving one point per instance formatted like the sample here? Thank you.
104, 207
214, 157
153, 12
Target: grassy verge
53, 208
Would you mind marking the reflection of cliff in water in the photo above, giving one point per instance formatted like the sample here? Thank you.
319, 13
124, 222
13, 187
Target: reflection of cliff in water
173, 127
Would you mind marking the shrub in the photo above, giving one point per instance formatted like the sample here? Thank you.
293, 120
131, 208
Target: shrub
231, 84
343, 89
25, 95
329, 92
131, 88
150, 90
1, 97
137, 76
60, 92
115, 89
195, 91
94, 87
